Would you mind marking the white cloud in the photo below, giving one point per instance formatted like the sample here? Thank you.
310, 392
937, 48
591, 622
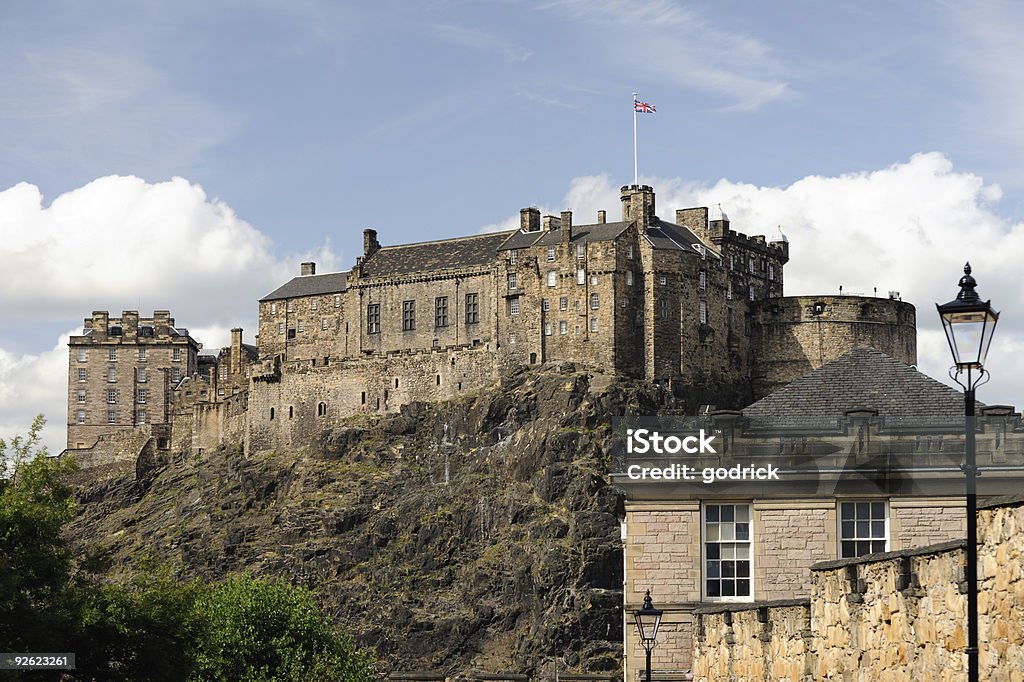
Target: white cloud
120, 243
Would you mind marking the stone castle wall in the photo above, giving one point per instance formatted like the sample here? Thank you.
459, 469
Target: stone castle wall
793, 335
895, 616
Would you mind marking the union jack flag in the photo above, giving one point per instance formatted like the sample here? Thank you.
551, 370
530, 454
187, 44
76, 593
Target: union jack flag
643, 107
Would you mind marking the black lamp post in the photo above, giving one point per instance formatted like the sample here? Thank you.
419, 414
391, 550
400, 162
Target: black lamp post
648, 620
969, 324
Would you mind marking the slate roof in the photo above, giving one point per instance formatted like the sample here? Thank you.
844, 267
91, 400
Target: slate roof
598, 232
863, 378
310, 285
442, 254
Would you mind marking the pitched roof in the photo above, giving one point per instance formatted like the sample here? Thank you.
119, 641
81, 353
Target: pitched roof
863, 378
598, 232
310, 285
665, 235
442, 254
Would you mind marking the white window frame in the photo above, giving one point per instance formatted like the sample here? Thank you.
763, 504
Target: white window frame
728, 290
563, 303
629, 278
323, 324
82, 374
547, 329
513, 305
141, 376
111, 355
551, 253
273, 309
581, 251
595, 301
176, 355
82, 357
80, 417
513, 256
702, 280
111, 416
312, 305
80, 395
512, 281
702, 311
545, 304
629, 251
552, 278
593, 324
280, 327
337, 301
563, 327
871, 520
581, 276
593, 280
704, 541
663, 279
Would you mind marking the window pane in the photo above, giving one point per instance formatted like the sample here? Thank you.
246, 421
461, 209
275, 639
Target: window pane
727, 512
743, 588
863, 529
743, 569
728, 531
728, 588
849, 549
878, 510
863, 510
714, 589
848, 529
743, 552
728, 569
729, 552
742, 531
712, 513
742, 513
711, 532
713, 551
878, 546
714, 569
863, 547
847, 508
878, 529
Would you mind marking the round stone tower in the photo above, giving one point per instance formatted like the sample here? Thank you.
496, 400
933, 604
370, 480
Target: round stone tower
791, 336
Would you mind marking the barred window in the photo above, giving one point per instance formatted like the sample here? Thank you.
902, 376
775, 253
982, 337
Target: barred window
141, 395
441, 311
111, 416
472, 309
373, 318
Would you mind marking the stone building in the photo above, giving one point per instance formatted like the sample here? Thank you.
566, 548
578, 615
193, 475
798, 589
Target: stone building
869, 450
121, 372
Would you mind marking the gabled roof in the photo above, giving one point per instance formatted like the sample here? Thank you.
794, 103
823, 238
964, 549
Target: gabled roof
442, 254
310, 285
863, 378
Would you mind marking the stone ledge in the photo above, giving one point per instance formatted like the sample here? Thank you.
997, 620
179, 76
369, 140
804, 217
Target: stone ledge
751, 606
1001, 501
938, 548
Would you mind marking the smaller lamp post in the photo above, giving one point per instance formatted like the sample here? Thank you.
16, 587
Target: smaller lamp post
969, 324
648, 620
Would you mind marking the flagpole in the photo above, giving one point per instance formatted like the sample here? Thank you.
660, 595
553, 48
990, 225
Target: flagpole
636, 175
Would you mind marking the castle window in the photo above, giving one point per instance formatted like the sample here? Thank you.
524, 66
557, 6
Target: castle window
702, 280
595, 301
545, 304
563, 303
551, 253
547, 329
728, 290
220, 391
176, 374
80, 395
771, 273
622, 303
273, 309
552, 278
511, 340
280, 327
111, 416
764, 265
727, 551
80, 417
593, 324
577, 305
513, 256
176, 355
662, 308
408, 315
863, 529
300, 325
321, 409
751, 294
581, 276
513, 305
441, 311
291, 306
337, 301
142, 355
437, 379
577, 329
662, 279
436, 343
115, 331
291, 332
291, 411
629, 250
272, 413
563, 327
472, 309
112, 354
373, 318
323, 324
629, 278
81, 374
396, 382
81, 355
362, 398
702, 308
581, 251
112, 374
511, 280
593, 280
746, 324
111, 396
732, 262
312, 305
141, 395
750, 265
728, 319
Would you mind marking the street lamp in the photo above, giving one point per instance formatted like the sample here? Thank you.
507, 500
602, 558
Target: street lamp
648, 620
969, 324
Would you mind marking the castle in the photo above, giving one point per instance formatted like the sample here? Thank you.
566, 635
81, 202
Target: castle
690, 303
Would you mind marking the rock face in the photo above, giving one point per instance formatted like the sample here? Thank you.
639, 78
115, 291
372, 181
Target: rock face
474, 534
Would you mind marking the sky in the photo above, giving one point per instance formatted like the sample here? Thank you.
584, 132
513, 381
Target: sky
188, 155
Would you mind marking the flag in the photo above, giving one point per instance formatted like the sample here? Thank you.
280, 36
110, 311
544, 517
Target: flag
642, 107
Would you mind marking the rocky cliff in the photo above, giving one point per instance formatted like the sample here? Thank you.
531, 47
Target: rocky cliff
479, 533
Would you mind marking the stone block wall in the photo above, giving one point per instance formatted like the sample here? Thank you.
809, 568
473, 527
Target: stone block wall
789, 537
919, 523
894, 616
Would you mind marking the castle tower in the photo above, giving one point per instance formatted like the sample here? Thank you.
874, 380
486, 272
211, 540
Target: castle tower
638, 204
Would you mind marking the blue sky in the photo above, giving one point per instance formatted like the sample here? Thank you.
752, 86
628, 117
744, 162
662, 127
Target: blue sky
294, 125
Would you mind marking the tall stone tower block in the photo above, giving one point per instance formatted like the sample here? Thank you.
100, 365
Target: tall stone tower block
793, 335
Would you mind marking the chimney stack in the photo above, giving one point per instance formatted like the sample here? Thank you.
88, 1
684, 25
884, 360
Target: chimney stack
370, 243
236, 349
307, 269
551, 223
566, 227
602, 217
529, 219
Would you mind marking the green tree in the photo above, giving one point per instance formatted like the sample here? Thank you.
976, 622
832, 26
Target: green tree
263, 631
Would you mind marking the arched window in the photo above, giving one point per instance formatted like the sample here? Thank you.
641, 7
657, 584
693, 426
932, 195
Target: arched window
271, 414
321, 409
291, 411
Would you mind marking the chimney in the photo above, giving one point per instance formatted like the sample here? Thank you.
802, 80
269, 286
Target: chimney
236, 348
307, 269
602, 217
638, 205
551, 223
566, 227
370, 243
529, 219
